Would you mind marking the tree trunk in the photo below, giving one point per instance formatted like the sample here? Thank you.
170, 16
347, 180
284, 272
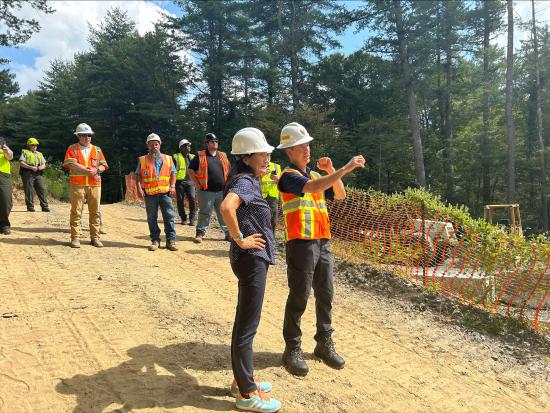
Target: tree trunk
510, 133
293, 59
411, 97
542, 176
448, 121
484, 144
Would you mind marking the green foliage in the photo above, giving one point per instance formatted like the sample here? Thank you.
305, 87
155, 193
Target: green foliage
57, 182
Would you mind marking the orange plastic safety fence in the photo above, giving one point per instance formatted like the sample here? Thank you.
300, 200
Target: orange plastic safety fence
464, 263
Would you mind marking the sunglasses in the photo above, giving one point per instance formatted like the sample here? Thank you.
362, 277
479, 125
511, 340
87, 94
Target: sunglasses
84, 135
212, 140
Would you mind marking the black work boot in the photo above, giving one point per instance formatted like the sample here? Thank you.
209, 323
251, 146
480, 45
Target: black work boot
326, 352
293, 360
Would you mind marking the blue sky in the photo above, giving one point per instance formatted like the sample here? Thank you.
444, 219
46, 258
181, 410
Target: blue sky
65, 32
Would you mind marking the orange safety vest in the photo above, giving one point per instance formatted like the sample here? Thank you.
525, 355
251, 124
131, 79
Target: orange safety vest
306, 217
152, 183
202, 172
75, 155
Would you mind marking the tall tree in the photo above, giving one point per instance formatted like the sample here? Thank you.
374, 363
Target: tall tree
542, 176
510, 133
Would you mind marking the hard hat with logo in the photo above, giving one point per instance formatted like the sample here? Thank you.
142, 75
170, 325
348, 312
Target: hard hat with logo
293, 134
153, 137
83, 128
32, 141
184, 142
248, 141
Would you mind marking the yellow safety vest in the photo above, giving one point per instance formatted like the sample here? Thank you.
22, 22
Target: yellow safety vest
30, 158
181, 166
5, 166
269, 186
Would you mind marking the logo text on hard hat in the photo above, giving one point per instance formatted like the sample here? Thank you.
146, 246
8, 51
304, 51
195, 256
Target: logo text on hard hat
285, 137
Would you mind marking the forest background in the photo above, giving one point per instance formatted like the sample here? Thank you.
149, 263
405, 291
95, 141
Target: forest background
429, 99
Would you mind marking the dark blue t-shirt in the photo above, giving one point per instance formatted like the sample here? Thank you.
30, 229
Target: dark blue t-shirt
294, 183
254, 217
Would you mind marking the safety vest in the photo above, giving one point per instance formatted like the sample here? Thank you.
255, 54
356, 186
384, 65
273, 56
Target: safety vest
5, 166
30, 158
75, 155
202, 172
181, 166
306, 217
153, 183
269, 186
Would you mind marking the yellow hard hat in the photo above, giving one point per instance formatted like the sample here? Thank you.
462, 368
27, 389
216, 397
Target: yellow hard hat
32, 141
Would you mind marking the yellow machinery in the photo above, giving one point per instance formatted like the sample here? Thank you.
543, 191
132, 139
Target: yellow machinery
513, 224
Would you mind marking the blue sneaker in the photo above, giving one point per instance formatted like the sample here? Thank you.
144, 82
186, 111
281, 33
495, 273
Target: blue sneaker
258, 402
263, 386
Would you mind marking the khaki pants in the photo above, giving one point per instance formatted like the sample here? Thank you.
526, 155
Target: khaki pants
92, 195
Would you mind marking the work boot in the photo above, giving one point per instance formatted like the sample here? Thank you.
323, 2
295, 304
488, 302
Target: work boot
30, 209
326, 352
192, 222
96, 243
184, 221
155, 244
6, 231
46, 209
102, 231
171, 245
75, 243
293, 360
198, 238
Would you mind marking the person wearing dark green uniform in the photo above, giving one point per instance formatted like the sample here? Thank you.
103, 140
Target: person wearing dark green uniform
32, 165
185, 187
270, 192
6, 201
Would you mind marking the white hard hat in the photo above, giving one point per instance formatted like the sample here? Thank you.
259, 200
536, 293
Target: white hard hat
153, 137
184, 142
248, 141
83, 128
293, 134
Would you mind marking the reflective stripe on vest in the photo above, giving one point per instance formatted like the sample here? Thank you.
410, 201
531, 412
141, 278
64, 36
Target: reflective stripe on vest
5, 166
269, 186
306, 217
31, 160
153, 183
81, 178
202, 172
181, 165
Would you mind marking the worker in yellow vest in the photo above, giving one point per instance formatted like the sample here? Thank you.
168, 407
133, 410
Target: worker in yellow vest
270, 192
185, 187
6, 200
308, 256
157, 177
31, 169
86, 163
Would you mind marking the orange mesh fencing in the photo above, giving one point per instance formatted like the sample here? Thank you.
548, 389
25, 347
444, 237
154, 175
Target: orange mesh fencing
473, 266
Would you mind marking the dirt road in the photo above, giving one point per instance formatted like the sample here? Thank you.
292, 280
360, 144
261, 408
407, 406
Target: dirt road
123, 329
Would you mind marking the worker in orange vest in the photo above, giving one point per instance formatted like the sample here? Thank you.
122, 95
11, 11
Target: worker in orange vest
157, 178
85, 163
209, 170
308, 256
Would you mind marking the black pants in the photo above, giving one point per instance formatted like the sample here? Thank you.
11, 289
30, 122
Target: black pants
186, 189
32, 180
251, 272
6, 201
274, 207
309, 264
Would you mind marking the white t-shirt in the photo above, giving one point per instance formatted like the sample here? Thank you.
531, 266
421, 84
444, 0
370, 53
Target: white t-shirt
85, 151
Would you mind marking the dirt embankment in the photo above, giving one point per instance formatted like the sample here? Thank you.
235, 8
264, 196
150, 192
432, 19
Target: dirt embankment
123, 329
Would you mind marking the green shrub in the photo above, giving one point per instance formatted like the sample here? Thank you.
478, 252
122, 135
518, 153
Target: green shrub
57, 182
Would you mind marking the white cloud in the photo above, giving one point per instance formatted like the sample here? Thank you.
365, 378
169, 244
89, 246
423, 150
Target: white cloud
522, 15
66, 32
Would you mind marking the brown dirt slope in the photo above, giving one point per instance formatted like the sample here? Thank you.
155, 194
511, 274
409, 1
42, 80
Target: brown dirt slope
123, 329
